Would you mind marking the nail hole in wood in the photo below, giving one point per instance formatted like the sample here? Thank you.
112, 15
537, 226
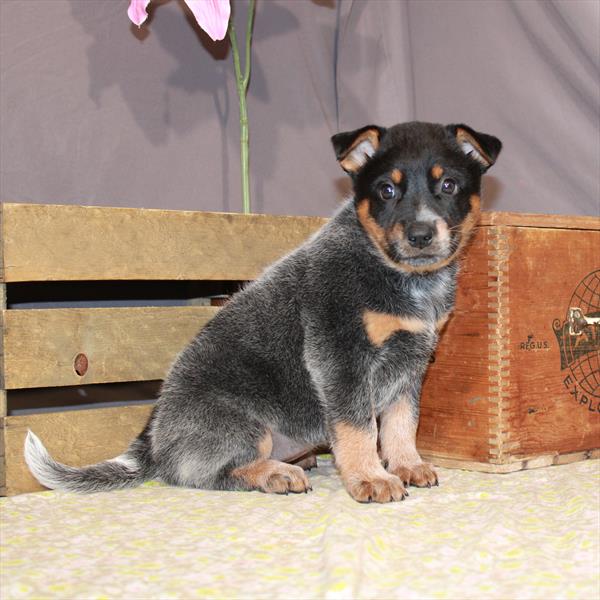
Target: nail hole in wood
80, 364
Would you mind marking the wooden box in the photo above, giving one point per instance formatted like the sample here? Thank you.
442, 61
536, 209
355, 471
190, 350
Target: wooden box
515, 383
508, 388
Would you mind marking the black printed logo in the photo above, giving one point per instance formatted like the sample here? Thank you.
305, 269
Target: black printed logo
533, 344
578, 337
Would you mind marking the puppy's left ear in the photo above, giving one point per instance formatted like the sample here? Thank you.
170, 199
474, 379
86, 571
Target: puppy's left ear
481, 147
354, 148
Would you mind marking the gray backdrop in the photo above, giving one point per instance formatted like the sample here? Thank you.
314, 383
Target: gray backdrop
95, 111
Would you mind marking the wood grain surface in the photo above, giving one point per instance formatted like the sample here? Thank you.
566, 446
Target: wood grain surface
121, 344
76, 438
67, 243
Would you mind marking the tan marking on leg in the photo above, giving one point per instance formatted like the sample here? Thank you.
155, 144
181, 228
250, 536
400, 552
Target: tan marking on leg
397, 436
271, 475
380, 326
265, 446
252, 471
363, 475
437, 171
396, 176
353, 449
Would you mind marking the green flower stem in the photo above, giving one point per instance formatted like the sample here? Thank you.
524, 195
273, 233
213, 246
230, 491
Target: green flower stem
242, 80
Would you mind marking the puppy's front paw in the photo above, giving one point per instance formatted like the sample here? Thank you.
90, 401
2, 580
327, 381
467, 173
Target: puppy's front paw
421, 475
376, 489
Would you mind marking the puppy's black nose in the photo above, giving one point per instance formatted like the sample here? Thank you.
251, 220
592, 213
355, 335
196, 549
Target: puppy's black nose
419, 234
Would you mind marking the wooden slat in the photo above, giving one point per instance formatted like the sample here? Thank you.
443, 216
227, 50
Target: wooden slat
73, 437
516, 464
121, 344
537, 220
66, 243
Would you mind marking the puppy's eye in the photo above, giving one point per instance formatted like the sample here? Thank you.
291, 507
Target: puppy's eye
387, 191
449, 186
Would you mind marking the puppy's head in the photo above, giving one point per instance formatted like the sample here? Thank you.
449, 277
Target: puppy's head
417, 188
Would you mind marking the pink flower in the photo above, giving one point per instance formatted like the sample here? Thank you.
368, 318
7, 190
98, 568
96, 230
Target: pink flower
211, 15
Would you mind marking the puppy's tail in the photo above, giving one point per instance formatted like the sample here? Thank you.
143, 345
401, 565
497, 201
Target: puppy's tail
130, 469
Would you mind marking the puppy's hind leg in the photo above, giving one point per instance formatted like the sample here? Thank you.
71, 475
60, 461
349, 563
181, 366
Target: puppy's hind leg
263, 473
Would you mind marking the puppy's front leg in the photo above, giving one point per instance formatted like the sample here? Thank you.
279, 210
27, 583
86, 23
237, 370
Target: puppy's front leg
341, 376
398, 434
355, 450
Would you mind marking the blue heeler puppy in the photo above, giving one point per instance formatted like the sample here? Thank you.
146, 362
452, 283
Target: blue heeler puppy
329, 346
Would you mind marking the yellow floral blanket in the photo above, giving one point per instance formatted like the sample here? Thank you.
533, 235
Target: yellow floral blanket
532, 534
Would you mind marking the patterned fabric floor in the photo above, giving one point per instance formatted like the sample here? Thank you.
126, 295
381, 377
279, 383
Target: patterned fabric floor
532, 534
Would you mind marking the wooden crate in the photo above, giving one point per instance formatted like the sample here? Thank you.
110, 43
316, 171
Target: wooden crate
41, 243
482, 407
511, 386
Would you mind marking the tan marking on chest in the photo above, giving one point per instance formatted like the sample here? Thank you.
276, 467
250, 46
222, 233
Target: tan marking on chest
397, 434
381, 326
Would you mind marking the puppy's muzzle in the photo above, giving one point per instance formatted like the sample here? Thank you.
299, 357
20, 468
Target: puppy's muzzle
420, 234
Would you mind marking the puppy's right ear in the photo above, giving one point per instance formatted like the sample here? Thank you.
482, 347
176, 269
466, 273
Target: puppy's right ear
354, 148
